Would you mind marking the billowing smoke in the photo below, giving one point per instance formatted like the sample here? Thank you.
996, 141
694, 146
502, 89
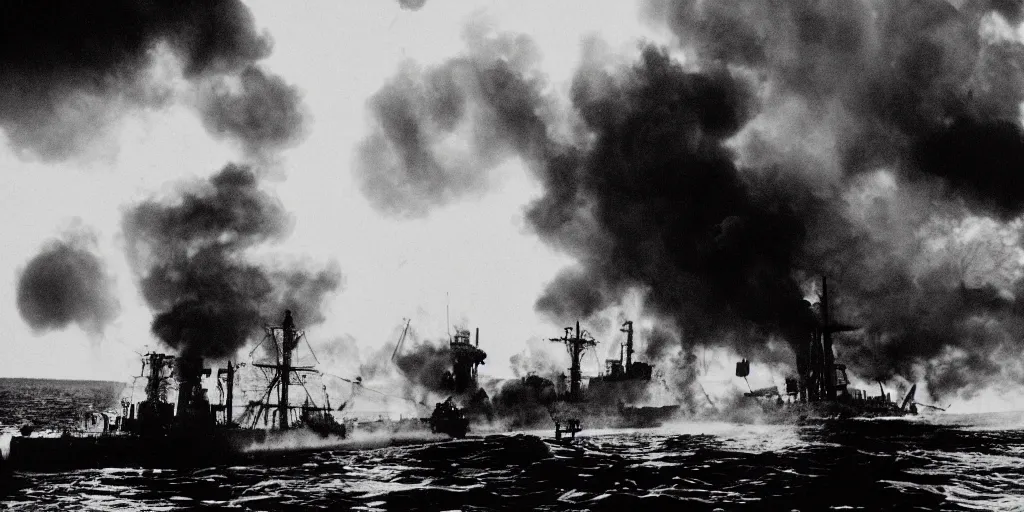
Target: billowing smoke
797, 140
525, 402
437, 132
657, 203
424, 365
68, 70
930, 94
189, 253
536, 360
261, 110
67, 283
891, 84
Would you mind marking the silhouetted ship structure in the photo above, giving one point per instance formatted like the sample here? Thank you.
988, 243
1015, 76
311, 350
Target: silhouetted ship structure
466, 358
604, 403
157, 433
449, 419
821, 388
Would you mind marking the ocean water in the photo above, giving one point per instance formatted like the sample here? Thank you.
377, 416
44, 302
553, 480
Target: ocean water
939, 462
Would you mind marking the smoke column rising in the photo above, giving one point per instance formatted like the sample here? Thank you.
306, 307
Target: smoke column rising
189, 253
797, 140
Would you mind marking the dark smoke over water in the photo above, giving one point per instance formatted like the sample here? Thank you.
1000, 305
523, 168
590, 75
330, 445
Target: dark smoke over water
920, 88
189, 253
424, 365
67, 283
69, 69
798, 140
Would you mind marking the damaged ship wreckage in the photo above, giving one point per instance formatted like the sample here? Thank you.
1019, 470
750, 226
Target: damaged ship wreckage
537, 402
154, 432
821, 390
157, 433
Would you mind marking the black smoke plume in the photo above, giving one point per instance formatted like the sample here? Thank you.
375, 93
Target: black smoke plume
67, 283
798, 140
926, 90
67, 70
424, 365
666, 210
189, 253
525, 402
894, 81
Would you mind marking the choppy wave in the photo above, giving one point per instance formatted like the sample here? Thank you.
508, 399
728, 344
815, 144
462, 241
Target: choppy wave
941, 462
866, 465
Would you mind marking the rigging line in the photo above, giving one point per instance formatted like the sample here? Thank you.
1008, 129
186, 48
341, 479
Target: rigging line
306, 339
260, 344
373, 390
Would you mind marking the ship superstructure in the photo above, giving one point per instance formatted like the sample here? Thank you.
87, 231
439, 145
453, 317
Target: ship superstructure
624, 369
466, 358
576, 344
606, 400
280, 343
154, 432
821, 388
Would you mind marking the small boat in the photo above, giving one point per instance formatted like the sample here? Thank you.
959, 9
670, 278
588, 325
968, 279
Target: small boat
449, 419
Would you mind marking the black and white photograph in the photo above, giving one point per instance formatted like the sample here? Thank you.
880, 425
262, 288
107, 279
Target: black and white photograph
512, 255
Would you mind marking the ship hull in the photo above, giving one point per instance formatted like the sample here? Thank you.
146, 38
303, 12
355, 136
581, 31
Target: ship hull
814, 412
166, 451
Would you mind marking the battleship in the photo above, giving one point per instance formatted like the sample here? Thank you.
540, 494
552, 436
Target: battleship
821, 389
605, 400
157, 433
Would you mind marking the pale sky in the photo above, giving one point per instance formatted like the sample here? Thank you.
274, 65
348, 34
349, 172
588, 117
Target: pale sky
477, 252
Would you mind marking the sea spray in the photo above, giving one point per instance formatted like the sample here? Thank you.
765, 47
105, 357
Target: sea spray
299, 440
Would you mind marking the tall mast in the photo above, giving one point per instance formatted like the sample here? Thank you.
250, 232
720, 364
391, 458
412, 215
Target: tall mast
153, 380
288, 344
229, 392
575, 345
283, 368
628, 329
